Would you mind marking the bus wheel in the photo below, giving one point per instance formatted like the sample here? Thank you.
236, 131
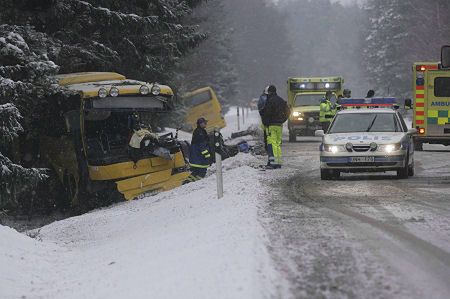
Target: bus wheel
292, 136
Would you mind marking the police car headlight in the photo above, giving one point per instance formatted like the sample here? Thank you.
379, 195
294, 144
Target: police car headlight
333, 148
296, 114
156, 90
389, 148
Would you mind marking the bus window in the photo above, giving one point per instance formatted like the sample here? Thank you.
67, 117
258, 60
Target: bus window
198, 99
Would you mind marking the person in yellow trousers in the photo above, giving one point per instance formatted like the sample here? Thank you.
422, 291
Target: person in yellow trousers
275, 112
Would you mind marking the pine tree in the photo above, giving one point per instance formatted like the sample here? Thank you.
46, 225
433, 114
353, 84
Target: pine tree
400, 33
39, 39
211, 64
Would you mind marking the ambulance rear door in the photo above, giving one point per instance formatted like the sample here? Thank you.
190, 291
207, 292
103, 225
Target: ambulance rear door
438, 103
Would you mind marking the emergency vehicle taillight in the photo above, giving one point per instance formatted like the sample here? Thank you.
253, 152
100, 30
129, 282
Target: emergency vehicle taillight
421, 130
421, 68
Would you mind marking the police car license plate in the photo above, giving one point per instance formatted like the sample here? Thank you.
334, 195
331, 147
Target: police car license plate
362, 159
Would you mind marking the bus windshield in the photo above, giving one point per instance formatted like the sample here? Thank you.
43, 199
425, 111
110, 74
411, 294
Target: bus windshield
198, 98
310, 99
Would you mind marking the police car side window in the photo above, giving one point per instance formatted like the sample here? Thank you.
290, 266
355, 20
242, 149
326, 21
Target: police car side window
402, 122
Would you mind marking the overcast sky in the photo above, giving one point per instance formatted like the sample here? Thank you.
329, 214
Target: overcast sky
342, 1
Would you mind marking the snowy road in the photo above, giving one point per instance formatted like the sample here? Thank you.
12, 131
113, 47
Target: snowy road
363, 236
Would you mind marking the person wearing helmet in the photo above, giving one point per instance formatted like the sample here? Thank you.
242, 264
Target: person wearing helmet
274, 114
199, 154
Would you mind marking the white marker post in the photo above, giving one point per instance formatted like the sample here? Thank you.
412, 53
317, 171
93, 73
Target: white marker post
239, 125
219, 175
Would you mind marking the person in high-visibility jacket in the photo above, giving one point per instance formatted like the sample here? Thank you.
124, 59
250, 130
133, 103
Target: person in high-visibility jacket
274, 114
327, 111
199, 153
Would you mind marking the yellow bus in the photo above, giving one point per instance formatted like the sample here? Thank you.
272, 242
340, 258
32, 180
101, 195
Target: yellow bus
203, 102
92, 157
304, 96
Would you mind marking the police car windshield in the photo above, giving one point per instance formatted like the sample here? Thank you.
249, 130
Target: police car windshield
365, 122
309, 99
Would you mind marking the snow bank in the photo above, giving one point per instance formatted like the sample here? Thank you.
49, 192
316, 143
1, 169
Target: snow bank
184, 243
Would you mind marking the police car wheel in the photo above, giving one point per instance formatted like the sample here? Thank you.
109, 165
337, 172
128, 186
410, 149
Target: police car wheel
403, 173
411, 169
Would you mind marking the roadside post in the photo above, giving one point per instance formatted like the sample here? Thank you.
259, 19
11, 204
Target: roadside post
243, 116
219, 175
238, 124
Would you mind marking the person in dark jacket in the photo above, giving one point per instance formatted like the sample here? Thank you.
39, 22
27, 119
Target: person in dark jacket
275, 112
199, 154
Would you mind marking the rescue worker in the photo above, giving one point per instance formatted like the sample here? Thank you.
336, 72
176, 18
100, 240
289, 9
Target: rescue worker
199, 154
274, 114
262, 100
327, 111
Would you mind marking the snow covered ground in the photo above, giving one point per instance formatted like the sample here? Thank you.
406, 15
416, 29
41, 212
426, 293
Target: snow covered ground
184, 243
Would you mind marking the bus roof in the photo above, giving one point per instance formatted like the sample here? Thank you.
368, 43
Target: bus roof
89, 83
77, 78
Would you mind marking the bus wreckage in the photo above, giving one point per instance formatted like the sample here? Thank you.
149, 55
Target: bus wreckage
94, 156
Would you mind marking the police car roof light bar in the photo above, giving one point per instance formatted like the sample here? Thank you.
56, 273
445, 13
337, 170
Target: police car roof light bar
368, 102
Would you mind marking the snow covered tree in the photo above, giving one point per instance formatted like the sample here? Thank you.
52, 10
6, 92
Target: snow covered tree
211, 64
400, 33
325, 40
141, 39
39, 39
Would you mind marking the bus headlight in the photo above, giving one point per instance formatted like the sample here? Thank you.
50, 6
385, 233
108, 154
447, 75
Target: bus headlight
156, 90
102, 93
144, 90
296, 114
114, 92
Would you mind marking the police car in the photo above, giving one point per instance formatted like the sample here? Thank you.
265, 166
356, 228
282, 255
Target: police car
368, 139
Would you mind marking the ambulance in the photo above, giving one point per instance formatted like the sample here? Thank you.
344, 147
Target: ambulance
304, 96
431, 109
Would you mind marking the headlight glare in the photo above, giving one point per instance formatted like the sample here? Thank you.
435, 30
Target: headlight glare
389, 148
333, 148
296, 113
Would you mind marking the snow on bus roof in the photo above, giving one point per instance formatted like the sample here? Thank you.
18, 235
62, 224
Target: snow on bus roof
85, 77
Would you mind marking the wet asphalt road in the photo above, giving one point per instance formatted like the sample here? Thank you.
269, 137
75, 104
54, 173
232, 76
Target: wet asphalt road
364, 235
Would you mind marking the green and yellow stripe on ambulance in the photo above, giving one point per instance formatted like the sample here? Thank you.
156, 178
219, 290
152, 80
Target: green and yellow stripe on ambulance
438, 117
